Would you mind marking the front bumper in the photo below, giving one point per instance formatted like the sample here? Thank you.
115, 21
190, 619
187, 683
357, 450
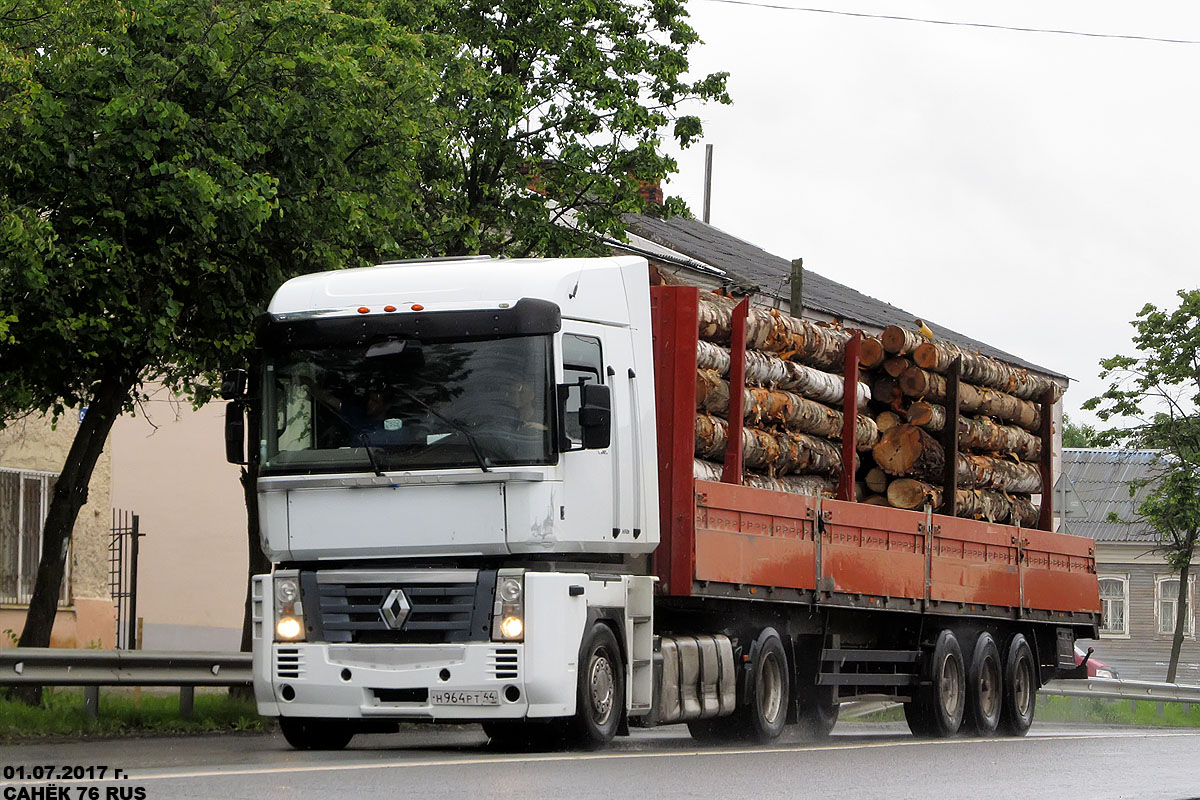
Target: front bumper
366, 681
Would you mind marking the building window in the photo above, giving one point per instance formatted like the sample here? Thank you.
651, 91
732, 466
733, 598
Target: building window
24, 501
1166, 604
1114, 603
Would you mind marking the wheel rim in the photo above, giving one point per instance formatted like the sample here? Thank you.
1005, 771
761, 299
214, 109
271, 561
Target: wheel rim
770, 688
989, 688
1022, 682
602, 686
948, 691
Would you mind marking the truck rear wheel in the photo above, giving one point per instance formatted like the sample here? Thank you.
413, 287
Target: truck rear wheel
600, 699
315, 733
985, 679
767, 695
938, 706
1020, 688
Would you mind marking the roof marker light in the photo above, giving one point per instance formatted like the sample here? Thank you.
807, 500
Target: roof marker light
363, 310
389, 309
418, 307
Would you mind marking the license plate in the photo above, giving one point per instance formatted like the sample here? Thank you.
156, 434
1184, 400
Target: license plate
484, 698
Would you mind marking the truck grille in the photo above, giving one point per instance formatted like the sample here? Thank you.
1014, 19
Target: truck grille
404, 608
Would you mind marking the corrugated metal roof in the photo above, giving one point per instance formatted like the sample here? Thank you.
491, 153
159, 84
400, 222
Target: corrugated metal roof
1101, 480
748, 263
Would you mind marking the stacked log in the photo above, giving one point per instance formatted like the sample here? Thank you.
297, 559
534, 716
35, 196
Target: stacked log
793, 422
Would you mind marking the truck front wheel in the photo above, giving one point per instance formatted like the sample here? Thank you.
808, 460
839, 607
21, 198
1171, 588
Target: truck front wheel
315, 733
600, 699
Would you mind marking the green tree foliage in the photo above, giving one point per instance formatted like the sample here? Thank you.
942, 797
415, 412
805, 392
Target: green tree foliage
164, 164
570, 97
1081, 435
1156, 396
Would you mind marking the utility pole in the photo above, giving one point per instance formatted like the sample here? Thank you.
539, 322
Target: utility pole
707, 182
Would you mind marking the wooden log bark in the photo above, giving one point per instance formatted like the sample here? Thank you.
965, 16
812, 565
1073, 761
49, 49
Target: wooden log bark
885, 420
876, 500
813, 485
771, 371
886, 390
926, 415
978, 400
982, 504
871, 353
900, 341
985, 371
773, 452
877, 480
770, 329
977, 433
896, 365
908, 451
768, 407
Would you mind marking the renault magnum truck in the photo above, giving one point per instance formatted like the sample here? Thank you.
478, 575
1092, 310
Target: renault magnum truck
476, 487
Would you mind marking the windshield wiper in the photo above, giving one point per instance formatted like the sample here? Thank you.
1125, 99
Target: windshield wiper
455, 424
350, 426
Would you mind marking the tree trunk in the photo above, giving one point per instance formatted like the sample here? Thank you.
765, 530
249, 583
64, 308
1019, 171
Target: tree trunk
786, 409
773, 372
980, 400
70, 494
813, 485
908, 451
900, 341
969, 503
1181, 618
767, 451
870, 353
985, 371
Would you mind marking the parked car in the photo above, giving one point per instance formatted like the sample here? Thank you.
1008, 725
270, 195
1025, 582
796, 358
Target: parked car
1095, 667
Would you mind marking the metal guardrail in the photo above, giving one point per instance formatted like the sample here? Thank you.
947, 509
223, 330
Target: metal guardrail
51, 666
1113, 689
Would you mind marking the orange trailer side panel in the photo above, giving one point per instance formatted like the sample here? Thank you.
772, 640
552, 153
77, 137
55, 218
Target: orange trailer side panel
974, 562
754, 536
1060, 572
872, 550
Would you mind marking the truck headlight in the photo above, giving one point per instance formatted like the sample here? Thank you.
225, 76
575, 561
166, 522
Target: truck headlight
289, 609
508, 610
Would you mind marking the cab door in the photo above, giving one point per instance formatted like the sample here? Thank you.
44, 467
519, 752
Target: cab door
588, 485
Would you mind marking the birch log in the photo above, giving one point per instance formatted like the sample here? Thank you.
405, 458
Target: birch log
771, 371
787, 409
977, 433
927, 415
777, 453
770, 329
870, 353
908, 451
985, 371
813, 485
877, 480
980, 400
900, 341
886, 390
896, 365
982, 504
885, 420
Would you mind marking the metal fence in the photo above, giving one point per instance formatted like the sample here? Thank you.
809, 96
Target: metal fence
122, 575
1112, 689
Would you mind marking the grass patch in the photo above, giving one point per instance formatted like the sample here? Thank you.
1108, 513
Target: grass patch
1092, 710
124, 712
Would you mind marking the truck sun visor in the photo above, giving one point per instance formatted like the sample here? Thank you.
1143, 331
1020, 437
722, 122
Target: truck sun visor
527, 317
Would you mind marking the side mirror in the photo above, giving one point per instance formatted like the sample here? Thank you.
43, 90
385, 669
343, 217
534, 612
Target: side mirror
595, 416
235, 432
233, 384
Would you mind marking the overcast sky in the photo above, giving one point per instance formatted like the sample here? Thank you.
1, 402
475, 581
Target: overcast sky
1029, 190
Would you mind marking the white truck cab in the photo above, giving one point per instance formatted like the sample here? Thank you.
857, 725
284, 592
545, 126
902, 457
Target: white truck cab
455, 463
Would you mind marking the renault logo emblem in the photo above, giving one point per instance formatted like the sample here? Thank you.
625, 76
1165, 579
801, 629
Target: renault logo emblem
394, 609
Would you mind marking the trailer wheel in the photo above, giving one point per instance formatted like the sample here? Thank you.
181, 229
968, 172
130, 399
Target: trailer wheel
315, 733
985, 686
940, 704
767, 692
818, 711
600, 699
1020, 688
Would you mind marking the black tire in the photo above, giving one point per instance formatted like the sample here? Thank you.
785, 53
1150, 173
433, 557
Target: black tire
818, 711
768, 688
941, 700
985, 687
600, 696
1020, 688
918, 722
304, 733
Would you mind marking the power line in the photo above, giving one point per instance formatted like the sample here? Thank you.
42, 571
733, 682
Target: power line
897, 18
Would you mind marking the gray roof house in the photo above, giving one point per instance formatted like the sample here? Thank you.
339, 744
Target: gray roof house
1138, 590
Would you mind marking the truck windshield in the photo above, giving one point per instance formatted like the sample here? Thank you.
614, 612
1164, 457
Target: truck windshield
401, 404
